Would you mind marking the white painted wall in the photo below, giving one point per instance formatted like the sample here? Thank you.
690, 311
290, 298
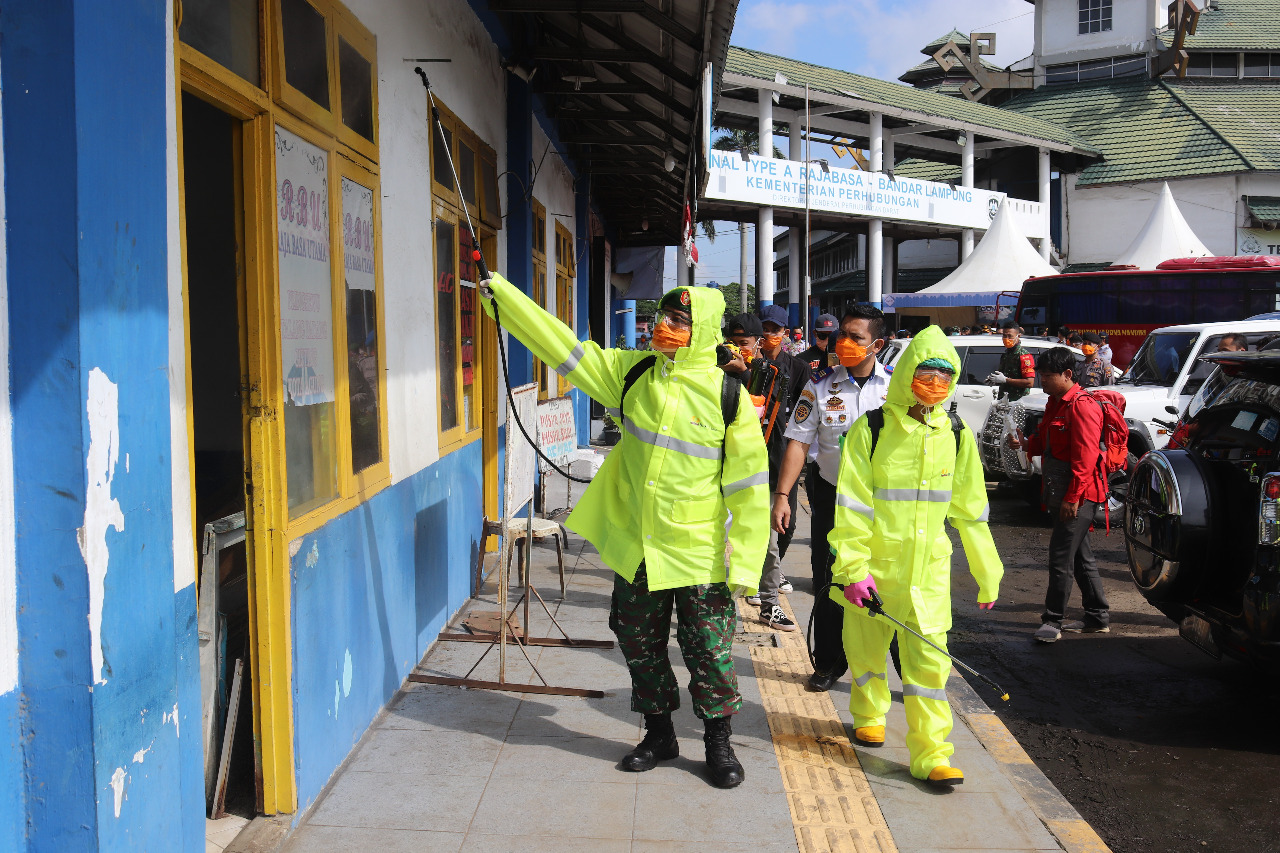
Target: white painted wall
1058, 37
553, 187
1102, 221
472, 85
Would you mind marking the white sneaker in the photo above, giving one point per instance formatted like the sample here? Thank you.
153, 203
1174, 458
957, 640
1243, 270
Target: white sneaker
1048, 633
786, 586
754, 600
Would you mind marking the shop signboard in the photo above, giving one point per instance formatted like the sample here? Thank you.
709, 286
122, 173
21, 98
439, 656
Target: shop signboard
1257, 241
771, 182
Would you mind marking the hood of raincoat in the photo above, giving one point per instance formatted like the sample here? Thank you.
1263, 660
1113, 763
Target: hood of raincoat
706, 307
929, 343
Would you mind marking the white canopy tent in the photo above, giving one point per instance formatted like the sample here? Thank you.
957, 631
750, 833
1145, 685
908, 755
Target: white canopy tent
1165, 235
1000, 263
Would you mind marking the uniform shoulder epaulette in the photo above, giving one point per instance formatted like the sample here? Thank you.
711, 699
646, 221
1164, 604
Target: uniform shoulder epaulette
821, 374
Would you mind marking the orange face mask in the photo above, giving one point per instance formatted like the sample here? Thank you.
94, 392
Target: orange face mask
850, 352
1089, 349
771, 341
930, 390
1009, 344
668, 340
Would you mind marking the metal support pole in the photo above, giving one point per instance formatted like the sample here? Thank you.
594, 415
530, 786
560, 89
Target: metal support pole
1046, 181
744, 260
966, 179
797, 312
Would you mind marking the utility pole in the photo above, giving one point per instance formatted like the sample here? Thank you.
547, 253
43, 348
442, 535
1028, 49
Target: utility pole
744, 252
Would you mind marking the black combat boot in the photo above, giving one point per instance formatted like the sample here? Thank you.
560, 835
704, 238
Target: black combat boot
659, 744
722, 764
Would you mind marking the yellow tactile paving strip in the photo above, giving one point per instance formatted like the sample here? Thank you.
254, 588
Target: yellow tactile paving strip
832, 806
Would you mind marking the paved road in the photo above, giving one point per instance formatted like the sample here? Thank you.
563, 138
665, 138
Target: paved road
1159, 747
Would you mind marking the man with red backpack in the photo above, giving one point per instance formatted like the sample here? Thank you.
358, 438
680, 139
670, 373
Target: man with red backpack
1073, 440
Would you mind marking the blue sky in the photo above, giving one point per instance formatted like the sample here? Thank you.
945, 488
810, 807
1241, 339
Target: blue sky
879, 38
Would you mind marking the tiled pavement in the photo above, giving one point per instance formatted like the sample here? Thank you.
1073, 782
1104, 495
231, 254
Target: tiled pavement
449, 769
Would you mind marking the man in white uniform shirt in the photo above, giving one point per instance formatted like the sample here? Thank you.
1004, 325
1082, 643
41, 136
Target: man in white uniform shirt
833, 399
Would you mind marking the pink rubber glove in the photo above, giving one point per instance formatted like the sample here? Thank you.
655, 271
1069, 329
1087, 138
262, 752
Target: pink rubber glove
860, 592
986, 605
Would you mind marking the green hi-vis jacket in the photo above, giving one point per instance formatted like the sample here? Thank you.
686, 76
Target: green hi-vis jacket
664, 495
890, 510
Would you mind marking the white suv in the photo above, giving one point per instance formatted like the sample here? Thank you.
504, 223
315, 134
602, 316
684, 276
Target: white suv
1161, 380
979, 356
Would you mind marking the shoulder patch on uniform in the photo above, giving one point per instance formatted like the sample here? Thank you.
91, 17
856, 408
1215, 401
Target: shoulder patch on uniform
803, 410
808, 395
1028, 363
820, 374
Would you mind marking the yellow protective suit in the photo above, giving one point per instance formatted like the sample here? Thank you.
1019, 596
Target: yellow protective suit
664, 494
890, 511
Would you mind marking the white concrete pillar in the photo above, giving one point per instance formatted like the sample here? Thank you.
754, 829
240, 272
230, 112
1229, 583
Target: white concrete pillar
764, 236
966, 180
744, 260
1046, 181
889, 157
795, 151
875, 227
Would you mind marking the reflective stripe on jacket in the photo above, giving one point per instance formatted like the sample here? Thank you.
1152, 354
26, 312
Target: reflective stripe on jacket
890, 511
664, 495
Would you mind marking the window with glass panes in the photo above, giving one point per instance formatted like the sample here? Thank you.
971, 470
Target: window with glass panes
457, 301
310, 67
540, 370
565, 271
1095, 16
1213, 65
1262, 65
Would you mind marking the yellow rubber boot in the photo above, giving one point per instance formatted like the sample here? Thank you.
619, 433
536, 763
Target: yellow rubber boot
944, 775
869, 735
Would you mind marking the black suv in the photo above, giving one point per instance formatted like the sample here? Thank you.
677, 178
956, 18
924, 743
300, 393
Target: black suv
1203, 522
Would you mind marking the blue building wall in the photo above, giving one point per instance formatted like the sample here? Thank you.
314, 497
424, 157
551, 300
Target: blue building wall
85, 160
13, 799
371, 590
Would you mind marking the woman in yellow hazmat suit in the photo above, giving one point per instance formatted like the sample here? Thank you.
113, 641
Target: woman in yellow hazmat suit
889, 536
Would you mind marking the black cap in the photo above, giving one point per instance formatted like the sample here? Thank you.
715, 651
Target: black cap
745, 324
825, 323
1093, 338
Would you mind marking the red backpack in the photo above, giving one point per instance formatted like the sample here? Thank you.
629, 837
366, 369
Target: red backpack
1115, 430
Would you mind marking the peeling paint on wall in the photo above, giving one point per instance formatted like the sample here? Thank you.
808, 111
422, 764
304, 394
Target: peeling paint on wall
117, 786
100, 509
346, 674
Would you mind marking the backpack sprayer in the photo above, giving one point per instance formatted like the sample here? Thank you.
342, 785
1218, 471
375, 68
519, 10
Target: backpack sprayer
484, 275
876, 608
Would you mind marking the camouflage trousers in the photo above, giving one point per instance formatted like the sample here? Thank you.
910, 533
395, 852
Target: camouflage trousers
705, 618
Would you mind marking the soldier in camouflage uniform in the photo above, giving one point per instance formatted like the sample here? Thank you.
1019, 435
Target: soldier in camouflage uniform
1017, 371
705, 635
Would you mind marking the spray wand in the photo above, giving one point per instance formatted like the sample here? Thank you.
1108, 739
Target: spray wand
483, 274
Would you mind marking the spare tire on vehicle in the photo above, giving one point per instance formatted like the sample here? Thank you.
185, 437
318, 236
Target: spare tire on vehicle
1169, 525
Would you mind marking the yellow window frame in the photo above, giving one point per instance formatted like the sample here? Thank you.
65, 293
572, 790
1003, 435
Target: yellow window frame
564, 288
539, 225
260, 110
452, 438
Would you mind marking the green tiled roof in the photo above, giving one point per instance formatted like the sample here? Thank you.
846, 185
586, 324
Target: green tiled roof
765, 66
926, 170
1151, 130
1264, 208
931, 67
1246, 115
955, 35
1235, 25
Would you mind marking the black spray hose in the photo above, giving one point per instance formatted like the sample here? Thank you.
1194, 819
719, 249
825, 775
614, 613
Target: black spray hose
478, 257
876, 608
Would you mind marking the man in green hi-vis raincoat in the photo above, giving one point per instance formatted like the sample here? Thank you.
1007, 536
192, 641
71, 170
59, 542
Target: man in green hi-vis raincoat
889, 536
679, 510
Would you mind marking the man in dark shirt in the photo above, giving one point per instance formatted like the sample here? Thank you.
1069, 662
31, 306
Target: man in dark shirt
816, 355
766, 336
1017, 371
1095, 370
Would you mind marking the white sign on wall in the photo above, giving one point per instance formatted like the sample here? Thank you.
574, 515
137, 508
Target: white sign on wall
1257, 241
782, 183
557, 432
306, 290
357, 235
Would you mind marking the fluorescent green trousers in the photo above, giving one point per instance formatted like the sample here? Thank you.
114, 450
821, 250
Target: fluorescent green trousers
924, 681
